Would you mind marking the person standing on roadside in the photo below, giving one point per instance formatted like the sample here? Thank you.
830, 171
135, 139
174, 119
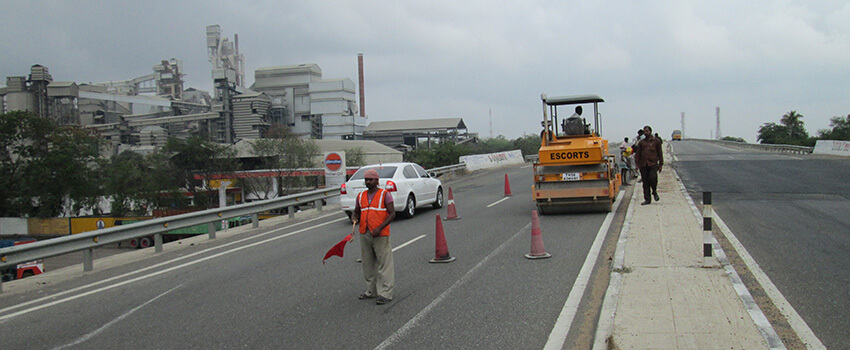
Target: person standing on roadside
374, 210
634, 150
649, 159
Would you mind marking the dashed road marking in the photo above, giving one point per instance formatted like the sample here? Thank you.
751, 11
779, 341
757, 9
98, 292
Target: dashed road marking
498, 201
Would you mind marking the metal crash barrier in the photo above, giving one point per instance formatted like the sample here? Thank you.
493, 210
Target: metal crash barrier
87, 241
764, 147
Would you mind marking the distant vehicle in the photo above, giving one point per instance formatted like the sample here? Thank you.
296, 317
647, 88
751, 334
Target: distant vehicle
32, 268
677, 135
410, 185
180, 233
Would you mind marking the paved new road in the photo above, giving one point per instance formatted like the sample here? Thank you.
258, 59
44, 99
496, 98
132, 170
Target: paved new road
790, 212
269, 289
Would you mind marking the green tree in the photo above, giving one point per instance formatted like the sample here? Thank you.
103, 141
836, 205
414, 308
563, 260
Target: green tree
528, 144
137, 183
772, 133
840, 129
493, 145
46, 169
282, 153
791, 131
355, 157
796, 130
195, 158
442, 154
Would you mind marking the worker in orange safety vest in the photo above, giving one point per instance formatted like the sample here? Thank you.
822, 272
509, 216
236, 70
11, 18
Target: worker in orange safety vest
374, 210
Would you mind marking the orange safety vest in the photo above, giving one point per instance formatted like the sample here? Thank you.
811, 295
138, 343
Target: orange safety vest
373, 213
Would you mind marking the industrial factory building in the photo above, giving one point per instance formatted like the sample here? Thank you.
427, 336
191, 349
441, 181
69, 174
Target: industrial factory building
147, 110
410, 134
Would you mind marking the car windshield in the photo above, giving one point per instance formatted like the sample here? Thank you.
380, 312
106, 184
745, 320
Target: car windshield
384, 172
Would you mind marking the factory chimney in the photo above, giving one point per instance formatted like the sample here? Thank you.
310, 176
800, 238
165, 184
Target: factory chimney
362, 83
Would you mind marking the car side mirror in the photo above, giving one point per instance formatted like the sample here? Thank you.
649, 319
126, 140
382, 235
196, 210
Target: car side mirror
432, 174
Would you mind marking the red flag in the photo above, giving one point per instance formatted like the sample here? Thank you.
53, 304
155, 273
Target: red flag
337, 249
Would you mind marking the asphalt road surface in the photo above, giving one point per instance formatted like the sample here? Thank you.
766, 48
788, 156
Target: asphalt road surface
269, 289
790, 211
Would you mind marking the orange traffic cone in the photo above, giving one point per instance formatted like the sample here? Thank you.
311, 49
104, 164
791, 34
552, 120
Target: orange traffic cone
507, 186
452, 214
441, 254
537, 250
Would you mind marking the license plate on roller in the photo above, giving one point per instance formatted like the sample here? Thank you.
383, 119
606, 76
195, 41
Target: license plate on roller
571, 176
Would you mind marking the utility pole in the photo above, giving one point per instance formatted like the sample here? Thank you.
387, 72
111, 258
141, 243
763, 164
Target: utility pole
683, 125
717, 133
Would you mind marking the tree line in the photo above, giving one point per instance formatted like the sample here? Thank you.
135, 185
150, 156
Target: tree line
448, 153
791, 131
48, 170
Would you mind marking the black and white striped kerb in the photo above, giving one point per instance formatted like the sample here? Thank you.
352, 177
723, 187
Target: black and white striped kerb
706, 224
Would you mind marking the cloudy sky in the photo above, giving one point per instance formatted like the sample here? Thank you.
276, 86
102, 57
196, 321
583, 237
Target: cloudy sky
650, 60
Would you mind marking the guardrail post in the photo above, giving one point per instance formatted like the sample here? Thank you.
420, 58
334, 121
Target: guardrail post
706, 228
88, 261
291, 211
319, 205
255, 220
157, 242
211, 229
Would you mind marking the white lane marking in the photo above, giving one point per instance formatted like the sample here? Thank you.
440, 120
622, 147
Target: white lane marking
498, 201
565, 320
101, 329
405, 329
605, 325
807, 336
527, 166
56, 295
60, 301
408, 242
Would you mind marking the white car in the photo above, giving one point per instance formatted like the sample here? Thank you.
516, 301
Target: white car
410, 185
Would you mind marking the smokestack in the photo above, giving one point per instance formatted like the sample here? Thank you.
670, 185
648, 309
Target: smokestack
362, 93
236, 43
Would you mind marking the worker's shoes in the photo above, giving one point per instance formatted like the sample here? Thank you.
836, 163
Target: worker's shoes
645, 202
382, 301
655, 195
365, 296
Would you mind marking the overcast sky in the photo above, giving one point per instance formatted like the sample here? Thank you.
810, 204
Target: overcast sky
649, 60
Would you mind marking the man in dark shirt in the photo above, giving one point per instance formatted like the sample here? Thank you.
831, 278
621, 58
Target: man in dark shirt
649, 159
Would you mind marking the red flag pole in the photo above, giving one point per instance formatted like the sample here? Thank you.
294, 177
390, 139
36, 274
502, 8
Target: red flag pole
339, 248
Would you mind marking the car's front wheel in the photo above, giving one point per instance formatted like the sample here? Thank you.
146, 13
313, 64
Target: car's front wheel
439, 202
410, 207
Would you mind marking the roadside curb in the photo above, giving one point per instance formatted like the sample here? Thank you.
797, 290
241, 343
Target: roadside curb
770, 336
605, 331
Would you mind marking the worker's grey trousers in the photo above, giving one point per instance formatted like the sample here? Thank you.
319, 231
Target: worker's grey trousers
378, 269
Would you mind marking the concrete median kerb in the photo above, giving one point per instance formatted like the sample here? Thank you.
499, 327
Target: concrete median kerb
660, 294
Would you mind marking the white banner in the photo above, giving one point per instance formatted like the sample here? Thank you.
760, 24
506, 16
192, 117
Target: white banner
492, 160
837, 148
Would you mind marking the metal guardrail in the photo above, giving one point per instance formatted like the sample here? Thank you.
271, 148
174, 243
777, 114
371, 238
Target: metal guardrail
87, 241
764, 147
447, 169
